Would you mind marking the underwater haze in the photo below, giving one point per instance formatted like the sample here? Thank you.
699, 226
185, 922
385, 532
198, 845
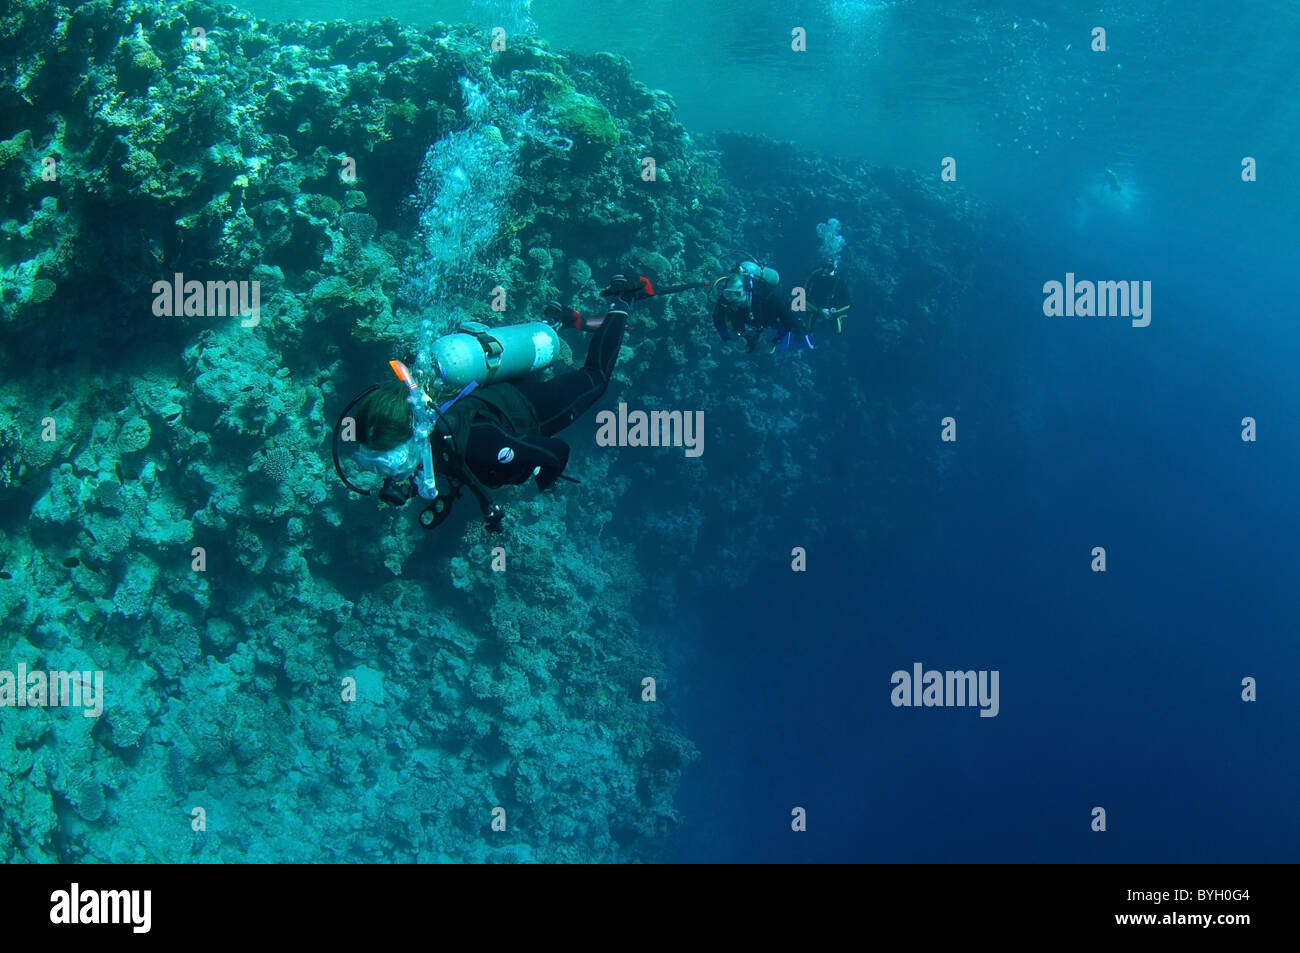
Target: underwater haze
1002, 568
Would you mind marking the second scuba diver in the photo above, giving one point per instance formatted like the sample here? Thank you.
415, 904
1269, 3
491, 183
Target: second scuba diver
827, 295
748, 303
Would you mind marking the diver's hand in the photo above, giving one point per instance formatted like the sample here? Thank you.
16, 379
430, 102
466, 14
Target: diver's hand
558, 316
626, 291
621, 292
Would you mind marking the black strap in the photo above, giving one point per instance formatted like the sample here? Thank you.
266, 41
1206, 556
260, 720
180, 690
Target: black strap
461, 475
334, 444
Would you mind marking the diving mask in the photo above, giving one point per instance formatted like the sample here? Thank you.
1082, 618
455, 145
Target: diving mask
399, 462
734, 294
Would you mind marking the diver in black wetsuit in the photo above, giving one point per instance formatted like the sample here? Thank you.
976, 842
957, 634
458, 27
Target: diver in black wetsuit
494, 435
827, 296
748, 303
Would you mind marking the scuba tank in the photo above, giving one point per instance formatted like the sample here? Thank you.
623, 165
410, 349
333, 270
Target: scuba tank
759, 273
748, 273
482, 355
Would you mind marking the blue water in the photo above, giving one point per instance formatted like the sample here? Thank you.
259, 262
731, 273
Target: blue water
1119, 690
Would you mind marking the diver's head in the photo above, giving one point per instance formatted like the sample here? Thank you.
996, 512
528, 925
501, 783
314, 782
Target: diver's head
829, 267
386, 441
376, 436
384, 417
732, 292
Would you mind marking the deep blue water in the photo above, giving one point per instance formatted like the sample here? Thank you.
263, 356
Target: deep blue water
1119, 690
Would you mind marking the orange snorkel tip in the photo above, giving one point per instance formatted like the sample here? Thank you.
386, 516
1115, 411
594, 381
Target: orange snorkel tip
403, 373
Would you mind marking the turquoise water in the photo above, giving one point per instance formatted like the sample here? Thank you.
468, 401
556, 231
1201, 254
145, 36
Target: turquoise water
294, 673
899, 82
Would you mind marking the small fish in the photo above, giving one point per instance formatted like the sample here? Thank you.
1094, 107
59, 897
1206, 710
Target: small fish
72, 562
6, 575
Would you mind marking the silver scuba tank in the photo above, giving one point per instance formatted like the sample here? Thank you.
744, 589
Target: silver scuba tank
766, 275
486, 355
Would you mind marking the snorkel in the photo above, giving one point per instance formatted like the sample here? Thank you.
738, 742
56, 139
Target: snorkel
422, 418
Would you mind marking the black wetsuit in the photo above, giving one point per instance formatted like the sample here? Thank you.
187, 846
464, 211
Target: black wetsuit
763, 308
504, 433
827, 291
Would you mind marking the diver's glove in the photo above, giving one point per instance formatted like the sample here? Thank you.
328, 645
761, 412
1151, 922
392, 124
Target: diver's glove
558, 316
624, 292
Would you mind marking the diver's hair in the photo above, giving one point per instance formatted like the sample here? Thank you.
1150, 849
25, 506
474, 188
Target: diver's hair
384, 417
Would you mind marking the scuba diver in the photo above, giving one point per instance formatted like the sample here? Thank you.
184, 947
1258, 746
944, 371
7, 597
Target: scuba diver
827, 295
748, 302
494, 431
